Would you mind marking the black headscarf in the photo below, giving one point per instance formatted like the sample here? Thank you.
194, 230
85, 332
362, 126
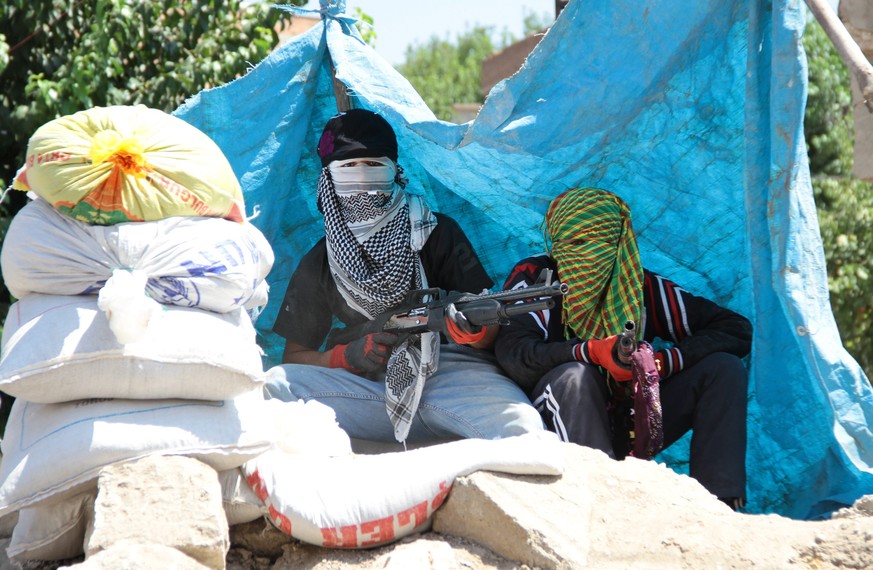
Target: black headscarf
357, 133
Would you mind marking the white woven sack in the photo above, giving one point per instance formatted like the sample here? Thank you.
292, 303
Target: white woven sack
60, 348
52, 532
209, 263
240, 503
298, 428
361, 501
7, 525
52, 451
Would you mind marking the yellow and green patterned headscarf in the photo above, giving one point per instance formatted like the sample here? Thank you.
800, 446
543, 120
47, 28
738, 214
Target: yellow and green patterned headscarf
596, 250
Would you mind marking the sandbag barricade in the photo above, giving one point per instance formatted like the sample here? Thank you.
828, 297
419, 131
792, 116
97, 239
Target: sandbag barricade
137, 280
52, 532
52, 455
60, 348
239, 502
108, 165
363, 501
51, 451
207, 263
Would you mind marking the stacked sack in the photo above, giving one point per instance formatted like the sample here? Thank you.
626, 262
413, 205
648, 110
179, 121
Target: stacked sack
136, 278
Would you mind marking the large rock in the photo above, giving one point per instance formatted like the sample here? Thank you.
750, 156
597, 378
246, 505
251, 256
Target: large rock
135, 556
428, 551
599, 514
609, 514
162, 500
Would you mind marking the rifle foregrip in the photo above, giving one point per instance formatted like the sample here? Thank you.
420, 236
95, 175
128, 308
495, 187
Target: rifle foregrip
511, 295
530, 307
492, 312
483, 312
527, 293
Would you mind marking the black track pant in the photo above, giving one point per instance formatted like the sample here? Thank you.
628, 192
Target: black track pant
709, 398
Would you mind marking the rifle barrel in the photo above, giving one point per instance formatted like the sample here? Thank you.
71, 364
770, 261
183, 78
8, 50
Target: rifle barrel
526, 293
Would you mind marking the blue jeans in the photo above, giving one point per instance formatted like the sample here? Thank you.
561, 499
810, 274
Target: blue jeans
467, 397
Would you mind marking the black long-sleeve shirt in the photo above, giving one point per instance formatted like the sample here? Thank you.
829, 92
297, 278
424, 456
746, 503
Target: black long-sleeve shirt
312, 301
534, 343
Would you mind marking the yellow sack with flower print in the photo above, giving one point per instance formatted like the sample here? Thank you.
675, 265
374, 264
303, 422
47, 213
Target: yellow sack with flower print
109, 165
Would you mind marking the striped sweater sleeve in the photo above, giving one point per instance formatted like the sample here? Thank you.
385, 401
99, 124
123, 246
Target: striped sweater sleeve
532, 343
695, 325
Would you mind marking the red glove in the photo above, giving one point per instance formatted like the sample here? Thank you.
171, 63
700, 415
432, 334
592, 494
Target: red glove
459, 329
367, 354
601, 352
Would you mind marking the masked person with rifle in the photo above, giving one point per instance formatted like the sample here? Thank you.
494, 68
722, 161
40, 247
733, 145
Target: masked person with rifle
380, 244
567, 360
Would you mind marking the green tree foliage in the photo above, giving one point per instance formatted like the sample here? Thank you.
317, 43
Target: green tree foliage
446, 72
4, 53
69, 55
365, 27
844, 203
845, 210
534, 23
828, 125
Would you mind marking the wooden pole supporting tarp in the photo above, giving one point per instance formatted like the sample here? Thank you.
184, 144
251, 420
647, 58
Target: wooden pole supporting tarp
847, 47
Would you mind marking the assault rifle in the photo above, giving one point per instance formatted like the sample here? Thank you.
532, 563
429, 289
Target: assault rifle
426, 309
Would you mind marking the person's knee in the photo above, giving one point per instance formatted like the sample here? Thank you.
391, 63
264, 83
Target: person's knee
276, 384
573, 376
493, 420
726, 377
728, 364
523, 418
575, 384
728, 367
517, 419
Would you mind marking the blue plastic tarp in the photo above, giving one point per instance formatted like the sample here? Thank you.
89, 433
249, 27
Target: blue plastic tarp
690, 111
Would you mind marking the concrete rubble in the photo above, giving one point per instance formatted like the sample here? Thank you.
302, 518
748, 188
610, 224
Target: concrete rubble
162, 512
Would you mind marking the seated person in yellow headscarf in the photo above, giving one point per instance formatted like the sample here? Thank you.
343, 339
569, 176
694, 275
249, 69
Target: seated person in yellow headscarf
564, 360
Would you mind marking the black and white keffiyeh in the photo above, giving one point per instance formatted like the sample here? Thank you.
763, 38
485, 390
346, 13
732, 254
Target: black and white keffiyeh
375, 233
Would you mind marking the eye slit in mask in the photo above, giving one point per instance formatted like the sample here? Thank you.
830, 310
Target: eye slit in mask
364, 162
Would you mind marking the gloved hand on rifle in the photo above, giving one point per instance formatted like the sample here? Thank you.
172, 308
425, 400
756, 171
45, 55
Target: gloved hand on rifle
459, 329
602, 352
367, 354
